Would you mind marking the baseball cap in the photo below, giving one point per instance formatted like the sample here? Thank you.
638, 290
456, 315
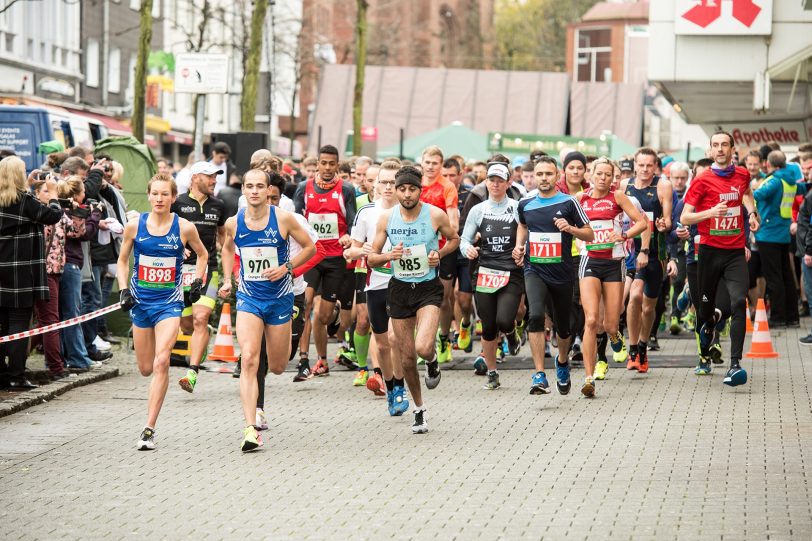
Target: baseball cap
626, 165
205, 168
498, 170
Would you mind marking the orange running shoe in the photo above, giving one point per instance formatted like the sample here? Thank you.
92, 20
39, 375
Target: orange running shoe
376, 385
634, 362
642, 365
321, 369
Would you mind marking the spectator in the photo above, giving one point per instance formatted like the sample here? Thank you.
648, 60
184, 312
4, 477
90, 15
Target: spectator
309, 168
220, 155
22, 264
165, 167
55, 160
118, 174
804, 251
81, 153
774, 202
85, 227
74, 166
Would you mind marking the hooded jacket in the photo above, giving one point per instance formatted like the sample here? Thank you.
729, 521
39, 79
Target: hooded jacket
768, 196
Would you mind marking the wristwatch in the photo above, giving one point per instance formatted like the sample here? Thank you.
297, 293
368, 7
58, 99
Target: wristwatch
289, 266
624, 236
645, 251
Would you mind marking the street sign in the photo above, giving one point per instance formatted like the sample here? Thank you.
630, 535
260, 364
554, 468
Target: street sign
755, 134
516, 143
723, 17
201, 73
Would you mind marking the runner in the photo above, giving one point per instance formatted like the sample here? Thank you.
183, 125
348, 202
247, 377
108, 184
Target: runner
265, 292
547, 224
655, 196
500, 282
442, 194
714, 201
602, 271
154, 295
363, 233
208, 215
329, 206
414, 292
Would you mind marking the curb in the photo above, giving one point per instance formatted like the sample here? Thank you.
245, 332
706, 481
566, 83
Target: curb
50, 391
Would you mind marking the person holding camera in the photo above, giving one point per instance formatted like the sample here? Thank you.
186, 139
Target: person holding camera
22, 267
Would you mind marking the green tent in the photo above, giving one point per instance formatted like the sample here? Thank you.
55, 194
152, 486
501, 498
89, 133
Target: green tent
453, 139
139, 166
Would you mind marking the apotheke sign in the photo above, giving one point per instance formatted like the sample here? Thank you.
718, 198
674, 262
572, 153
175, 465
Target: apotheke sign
723, 17
754, 135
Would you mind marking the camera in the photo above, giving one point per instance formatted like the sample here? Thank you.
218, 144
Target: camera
43, 175
65, 203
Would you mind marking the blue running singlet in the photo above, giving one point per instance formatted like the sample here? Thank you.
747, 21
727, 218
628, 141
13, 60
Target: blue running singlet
260, 251
156, 276
418, 238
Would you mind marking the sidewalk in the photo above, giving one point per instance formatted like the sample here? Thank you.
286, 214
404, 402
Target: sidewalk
667, 455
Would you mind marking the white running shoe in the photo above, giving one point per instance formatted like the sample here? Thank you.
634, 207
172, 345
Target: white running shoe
102, 344
261, 422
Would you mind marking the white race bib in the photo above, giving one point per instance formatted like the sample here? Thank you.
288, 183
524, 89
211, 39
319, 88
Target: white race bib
491, 280
413, 264
545, 248
156, 272
603, 230
325, 225
257, 259
187, 275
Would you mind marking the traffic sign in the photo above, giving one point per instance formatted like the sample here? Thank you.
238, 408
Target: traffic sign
201, 73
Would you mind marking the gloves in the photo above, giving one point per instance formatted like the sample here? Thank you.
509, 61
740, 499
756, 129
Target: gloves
195, 290
126, 300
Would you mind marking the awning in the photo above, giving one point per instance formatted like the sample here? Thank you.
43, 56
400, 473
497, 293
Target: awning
157, 124
178, 137
114, 126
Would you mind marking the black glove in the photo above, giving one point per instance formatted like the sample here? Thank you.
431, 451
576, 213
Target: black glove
126, 300
195, 290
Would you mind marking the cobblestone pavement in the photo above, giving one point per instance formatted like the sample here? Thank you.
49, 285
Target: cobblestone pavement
667, 455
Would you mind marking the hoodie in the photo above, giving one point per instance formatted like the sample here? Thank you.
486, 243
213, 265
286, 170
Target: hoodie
768, 197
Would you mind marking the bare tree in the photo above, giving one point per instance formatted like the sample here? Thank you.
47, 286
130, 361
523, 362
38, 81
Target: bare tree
360, 67
140, 83
248, 100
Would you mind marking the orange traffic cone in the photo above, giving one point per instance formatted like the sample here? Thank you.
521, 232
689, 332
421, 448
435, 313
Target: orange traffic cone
749, 324
761, 346
224, 342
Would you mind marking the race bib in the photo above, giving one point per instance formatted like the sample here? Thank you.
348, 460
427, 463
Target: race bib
257, 259
545, 248
386, 269
413, 264
650, 216
187, 275
729, 225
603, 231
491, 280
325, 225
156, 272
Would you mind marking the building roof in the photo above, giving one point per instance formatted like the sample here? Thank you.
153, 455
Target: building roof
609, 11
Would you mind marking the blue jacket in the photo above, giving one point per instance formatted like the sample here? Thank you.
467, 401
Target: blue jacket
768, 196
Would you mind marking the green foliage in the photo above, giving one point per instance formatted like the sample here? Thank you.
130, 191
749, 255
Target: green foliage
532, 34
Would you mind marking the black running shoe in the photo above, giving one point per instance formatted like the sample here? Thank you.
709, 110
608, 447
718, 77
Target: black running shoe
513, 342
433, 374
420, 426
237, 369
302, 371
653, 344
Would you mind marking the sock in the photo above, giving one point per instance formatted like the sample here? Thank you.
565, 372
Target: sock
466, 325
616, 342
443, 341
378, 371
390, 384
493, 372
734, 363
398, 382
603, 338
195, 368
633, 350
361, 348
642, 348
303, 360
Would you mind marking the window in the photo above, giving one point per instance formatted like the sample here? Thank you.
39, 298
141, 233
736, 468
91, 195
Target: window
156, 9
114, 70
593, 54
135, 4
92, 63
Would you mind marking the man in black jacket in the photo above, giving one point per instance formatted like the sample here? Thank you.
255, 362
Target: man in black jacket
803, 242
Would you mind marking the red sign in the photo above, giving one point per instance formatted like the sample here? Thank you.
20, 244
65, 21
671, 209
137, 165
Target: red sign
369, 133
723, 17
707, 11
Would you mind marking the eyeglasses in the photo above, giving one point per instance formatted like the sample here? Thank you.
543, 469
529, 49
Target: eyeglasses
386, 182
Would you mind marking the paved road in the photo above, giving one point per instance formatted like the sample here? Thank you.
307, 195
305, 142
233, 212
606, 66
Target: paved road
667, 455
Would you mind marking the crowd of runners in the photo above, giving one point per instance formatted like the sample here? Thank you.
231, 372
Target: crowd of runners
569, 253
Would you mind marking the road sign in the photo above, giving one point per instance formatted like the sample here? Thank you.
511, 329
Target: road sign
201, 73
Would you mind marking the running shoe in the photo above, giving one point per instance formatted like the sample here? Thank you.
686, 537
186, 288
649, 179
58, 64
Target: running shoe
237, 369
261, 422
642, 362
302, 371
725, 331
480, 367
390, 401
690, 321
443, 351
514, 343
716, 353
676, 326
735, 376
707, 333
478, 327
493, 381
376, 385
251, 440
806, 340
548, 353
653, 344
633, 362
539, 384
601, 368
188, 382
562, 377
421, 360
361, 378
433, 374
321, 369
101, 344
420, 426
346, 357
588, 388
575, 351
399, 403
500, 353
520, 331
704, 367
464, 338
147, 440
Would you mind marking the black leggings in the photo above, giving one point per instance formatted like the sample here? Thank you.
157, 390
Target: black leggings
497, 311
376, 308
538, 292
679, 283
297, 325
722, 296
728, 268
780, 281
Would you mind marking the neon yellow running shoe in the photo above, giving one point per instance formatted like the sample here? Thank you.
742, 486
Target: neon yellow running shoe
361, 379
464, 340
620, 354
188, 382
600, 370
443, 352
251, 440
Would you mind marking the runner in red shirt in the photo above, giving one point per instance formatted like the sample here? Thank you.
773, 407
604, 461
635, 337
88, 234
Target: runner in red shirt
715, 202
442, 194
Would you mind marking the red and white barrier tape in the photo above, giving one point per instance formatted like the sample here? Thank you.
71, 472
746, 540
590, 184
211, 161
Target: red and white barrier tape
60, 325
